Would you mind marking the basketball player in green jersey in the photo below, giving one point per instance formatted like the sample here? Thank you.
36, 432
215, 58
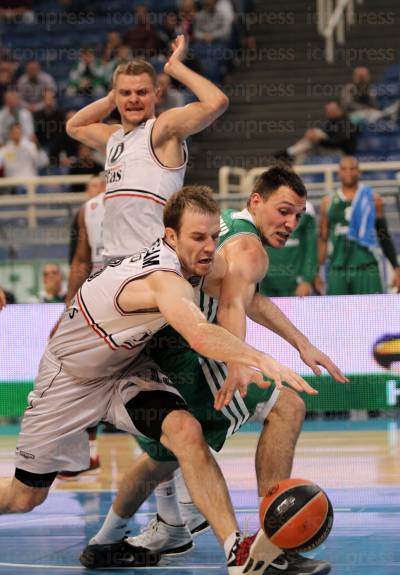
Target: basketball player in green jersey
352, 267
274, 209
292, 270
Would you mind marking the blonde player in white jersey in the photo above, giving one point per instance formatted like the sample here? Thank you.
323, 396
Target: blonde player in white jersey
87, 373
145, 157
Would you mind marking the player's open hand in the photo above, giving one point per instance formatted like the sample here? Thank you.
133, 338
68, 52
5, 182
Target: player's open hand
237, 379
279, 373
313, 357
178, 53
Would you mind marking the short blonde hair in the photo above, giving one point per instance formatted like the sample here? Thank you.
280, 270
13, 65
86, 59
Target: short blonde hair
135, 68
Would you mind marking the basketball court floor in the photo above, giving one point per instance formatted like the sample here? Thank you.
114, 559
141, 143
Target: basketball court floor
357, 463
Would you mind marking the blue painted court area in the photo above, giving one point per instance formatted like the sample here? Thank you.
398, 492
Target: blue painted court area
364, 541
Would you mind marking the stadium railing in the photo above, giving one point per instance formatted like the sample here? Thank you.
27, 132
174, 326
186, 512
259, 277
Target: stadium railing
235, 183
33, 203
234, 187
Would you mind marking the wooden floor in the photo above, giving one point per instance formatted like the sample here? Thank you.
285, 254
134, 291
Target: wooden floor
357, 463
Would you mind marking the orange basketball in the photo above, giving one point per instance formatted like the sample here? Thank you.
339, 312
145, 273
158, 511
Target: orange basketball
296, 514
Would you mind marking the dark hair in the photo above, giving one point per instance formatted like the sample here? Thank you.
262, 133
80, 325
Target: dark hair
196, 198
135, 68
270, 180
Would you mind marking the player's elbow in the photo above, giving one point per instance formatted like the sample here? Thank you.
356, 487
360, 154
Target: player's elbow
70, 128
221, 103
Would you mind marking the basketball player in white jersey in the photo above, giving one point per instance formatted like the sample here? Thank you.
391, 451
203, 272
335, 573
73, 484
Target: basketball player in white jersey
87, 258
87, 373
88, 252
145, 157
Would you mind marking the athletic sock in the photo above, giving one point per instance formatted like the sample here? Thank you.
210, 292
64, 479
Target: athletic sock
181, 489
112, 530
93, 448
230, 542
167, 503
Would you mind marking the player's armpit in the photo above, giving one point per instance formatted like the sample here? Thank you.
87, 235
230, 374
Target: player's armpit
94, 135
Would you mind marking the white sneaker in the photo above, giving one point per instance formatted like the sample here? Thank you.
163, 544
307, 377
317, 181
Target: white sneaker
195, 521
256, 555
163, 538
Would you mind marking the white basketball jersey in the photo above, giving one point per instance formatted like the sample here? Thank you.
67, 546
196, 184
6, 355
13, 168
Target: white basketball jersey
138, 187
96, 338
94, 215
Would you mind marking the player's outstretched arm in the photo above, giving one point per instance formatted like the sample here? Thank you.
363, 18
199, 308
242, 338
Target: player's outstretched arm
195, 117
264, 312
87, 127
174, 299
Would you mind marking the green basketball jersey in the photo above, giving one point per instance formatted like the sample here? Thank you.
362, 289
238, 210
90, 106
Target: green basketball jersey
343, 252
197, 378
234, 223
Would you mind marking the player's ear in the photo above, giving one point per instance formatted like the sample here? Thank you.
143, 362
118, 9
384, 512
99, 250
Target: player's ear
171, 236
254, 199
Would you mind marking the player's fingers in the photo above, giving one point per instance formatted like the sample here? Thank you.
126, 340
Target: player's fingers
225, 394
298, 383
243, 389
278, 381
316, 369
218, 401
335, 372
259, 380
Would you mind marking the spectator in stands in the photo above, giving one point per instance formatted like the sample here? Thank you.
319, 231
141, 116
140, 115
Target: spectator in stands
358, 97
32, 85
87, 77
21, 157
293, 269
187, 14
210, 33
167, 32
168, 96
359, 101
353, 223
124, 54
17, 11
142, 36
49, 121
226, 9
210, 25
335, 134
86, 163
110, 50
12, 112
64, 150
53, 288
7, 72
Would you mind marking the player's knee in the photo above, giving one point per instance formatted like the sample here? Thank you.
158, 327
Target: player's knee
289, 406
181, 430
25, 502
